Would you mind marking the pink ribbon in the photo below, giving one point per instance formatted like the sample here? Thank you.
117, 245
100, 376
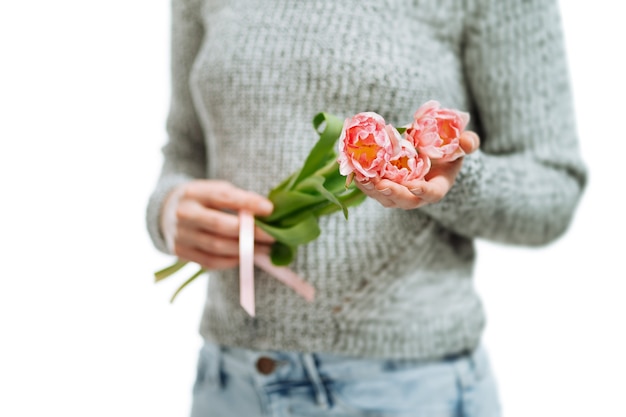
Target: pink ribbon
246, 264
248, 259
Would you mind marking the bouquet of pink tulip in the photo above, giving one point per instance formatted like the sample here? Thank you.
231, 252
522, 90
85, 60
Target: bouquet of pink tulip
368, 148
316, 190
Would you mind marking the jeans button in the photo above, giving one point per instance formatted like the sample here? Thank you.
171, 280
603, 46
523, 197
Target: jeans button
265, 365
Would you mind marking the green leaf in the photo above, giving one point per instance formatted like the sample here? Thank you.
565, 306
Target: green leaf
352, 197
335, 182
302, 232
317, 183
323, 149
284, 185
168, 271
281, 254
289, 202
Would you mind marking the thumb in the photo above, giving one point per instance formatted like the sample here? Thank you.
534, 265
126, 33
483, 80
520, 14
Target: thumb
469, 141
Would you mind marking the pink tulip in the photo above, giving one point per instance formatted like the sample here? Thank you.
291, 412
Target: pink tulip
407, 164
366, 145
436, 131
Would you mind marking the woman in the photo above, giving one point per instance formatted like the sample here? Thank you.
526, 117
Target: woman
395, 328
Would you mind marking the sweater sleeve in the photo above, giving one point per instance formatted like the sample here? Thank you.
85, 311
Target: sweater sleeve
523, 185
184, 154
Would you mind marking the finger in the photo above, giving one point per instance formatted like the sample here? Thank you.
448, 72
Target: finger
214, 262
193, 215
391, 194
262, 249
208, 243
437, 186
207, 261
400, 196
469, 141
370, 190
261, 236
449, 170
366, 185
225, 196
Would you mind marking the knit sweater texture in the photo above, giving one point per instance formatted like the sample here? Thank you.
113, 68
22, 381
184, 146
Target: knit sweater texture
247, 79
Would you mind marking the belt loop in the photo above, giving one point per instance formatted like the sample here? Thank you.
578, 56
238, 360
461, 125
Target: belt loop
321, 395
213, 358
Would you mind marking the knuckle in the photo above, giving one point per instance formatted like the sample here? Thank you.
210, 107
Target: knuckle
213, 224
212, 245
215, 263
222, 189
184, 212
189, 190
180, 250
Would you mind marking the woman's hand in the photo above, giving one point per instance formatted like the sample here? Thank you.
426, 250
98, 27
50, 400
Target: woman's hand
417, 193
200, 223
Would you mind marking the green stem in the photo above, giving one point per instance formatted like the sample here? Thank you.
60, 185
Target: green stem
170, 270
352, 198
328, 169
184, 284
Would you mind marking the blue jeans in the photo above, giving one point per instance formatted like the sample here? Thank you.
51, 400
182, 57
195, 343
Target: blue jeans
243, 383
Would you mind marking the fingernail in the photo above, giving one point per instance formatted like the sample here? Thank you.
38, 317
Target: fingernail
385, 191
266, 206
367, 185
417, 191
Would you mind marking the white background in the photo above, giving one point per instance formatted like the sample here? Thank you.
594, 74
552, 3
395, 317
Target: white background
84, 331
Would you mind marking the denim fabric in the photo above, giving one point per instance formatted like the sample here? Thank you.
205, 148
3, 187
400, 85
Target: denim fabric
315, 385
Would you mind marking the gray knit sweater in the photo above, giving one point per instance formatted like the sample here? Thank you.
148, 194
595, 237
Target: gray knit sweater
247, 78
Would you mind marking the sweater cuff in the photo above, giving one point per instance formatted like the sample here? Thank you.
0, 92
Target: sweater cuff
155, 209
457, 209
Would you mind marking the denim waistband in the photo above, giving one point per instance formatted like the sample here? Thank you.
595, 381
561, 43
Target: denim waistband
270, 369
